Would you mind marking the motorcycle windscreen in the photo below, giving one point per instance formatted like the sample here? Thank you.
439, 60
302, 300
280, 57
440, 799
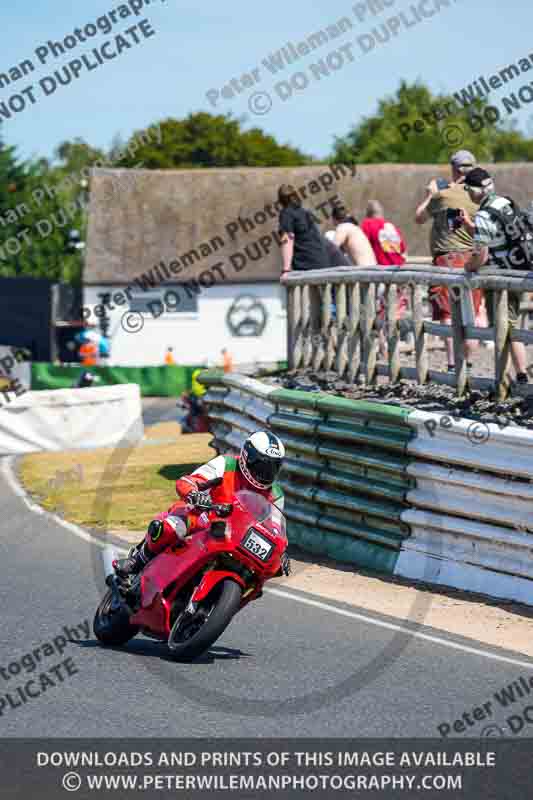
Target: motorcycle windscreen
263, 511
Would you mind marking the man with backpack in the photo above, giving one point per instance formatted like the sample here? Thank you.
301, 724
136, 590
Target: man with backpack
503, 237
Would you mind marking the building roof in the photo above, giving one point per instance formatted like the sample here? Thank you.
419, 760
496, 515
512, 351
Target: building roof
197, 218
219, 224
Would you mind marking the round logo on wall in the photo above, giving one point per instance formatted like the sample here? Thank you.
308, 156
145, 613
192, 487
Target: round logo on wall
247, 316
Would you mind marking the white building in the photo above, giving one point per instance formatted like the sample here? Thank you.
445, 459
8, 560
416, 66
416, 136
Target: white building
249, 319
190, 259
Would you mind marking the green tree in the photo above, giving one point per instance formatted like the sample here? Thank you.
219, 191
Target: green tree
442, 126
205, 140
38, 210
75, 155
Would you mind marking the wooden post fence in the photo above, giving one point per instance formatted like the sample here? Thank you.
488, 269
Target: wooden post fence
343, 336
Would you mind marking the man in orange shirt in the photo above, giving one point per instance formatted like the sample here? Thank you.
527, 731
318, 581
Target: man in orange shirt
169, 358
227, 360
88, 354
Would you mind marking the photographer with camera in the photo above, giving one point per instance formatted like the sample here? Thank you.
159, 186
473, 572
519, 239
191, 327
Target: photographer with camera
451, 241
503, 237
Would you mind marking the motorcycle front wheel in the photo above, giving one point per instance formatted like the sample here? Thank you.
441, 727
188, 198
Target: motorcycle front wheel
112, 627
193, 634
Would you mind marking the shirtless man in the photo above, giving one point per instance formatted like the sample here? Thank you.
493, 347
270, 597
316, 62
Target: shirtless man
350, 238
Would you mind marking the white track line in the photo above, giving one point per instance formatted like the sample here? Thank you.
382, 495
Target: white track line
14, 485
7, 471
399, 628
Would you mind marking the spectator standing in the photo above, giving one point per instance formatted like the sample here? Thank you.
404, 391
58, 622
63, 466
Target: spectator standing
93, 346
302, 245
385, 238
496, 230
451, 242
227, 360
88, 353
169, 357
390, 250
351, 239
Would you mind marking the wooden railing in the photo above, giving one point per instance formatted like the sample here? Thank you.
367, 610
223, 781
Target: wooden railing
347, 342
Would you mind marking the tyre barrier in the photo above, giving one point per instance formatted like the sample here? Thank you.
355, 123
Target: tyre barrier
345, 476
393, 490
471, 510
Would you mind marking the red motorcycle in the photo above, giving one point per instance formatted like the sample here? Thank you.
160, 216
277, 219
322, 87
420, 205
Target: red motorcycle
188, 595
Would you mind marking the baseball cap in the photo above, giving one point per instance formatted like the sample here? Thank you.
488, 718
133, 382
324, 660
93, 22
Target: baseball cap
463, 158
478, 178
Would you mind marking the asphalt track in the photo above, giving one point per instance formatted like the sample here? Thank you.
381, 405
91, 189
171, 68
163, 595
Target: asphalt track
283, 668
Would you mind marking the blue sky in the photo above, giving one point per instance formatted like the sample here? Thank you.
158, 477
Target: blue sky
201, 47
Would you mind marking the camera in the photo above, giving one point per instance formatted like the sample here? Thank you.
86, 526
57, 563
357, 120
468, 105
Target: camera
454, 219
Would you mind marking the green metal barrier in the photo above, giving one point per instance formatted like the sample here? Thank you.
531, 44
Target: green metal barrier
163, 381
345, 476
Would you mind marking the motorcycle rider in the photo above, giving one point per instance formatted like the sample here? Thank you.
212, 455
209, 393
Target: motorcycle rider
255, 469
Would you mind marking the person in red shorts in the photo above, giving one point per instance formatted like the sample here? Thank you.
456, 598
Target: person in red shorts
451, 242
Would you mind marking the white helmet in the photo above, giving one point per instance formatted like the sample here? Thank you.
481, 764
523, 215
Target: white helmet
261, 458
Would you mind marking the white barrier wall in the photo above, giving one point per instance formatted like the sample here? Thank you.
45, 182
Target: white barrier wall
71, 419
471, 512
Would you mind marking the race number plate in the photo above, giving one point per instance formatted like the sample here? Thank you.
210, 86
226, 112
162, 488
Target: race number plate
258, 545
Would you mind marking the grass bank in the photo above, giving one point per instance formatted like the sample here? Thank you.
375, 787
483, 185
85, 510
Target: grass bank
115, 489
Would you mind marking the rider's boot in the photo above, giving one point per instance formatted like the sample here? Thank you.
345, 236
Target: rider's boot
137, 559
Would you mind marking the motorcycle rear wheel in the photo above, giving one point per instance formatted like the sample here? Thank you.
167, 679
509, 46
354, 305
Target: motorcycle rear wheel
193, 635
112, 627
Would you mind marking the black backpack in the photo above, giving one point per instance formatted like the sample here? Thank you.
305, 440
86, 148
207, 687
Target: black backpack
517, 226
